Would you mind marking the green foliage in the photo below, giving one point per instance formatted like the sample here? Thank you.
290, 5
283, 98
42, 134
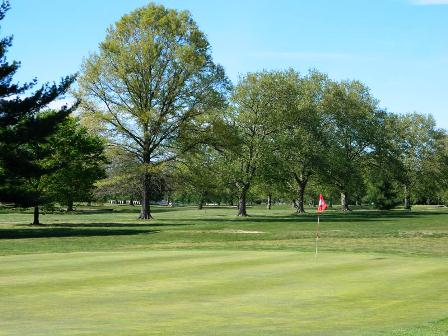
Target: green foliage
80, 156
258, 101
24, 130
382, 193
354, 125
152, 86
422, 151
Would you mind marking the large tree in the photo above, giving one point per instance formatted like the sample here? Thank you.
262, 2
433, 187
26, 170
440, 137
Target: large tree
24, 130
257, 102
354, 127
422, 152
151, 85
301, 140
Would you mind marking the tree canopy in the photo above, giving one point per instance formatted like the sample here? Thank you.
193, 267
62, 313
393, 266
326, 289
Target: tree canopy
152, 85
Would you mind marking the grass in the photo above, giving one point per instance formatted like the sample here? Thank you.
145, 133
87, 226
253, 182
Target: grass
208, 272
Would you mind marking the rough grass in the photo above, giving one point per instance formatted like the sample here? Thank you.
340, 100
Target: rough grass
208, 272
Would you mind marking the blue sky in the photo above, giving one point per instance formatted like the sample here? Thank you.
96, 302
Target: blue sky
399, 48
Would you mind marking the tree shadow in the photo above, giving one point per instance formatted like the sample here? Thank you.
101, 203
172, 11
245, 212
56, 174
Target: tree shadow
67, 232
335, 217
124, 209
107, 225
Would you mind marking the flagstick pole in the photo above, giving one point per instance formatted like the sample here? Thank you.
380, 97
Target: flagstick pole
317, 233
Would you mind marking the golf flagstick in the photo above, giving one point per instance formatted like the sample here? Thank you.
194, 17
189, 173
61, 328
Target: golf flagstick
321, 208
317, 234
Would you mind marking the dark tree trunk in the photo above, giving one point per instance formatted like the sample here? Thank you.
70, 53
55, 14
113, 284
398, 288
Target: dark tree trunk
344, 201
242, 202
70, 204
407, 199
36, 215
145, 212
301, 197
201, 204
269, 204
131, 201
302, 180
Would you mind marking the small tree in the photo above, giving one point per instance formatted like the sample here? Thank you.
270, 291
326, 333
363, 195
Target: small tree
81, 157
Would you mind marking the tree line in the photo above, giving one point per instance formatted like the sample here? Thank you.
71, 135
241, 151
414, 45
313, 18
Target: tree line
161, 120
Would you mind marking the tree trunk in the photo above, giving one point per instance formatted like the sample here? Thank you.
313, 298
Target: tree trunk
70, 204
201, 204
36, 215
131, 201
407, 199
344, 201
294, 204
145, 212
269, 204
242, 202
301, 197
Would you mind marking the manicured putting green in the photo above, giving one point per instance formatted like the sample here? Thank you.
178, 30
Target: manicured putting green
219, 293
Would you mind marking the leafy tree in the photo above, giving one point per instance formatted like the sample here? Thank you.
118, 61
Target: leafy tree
301, 141
354, 129
256, 103
197, 176
414, 139
81, 157
423, 155
152, 86
123, 177
24, 131
382, 189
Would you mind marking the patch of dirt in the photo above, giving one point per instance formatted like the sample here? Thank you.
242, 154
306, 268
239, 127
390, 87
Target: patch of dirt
241, 231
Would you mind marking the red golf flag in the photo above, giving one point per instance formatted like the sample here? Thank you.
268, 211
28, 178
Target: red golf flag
322, 205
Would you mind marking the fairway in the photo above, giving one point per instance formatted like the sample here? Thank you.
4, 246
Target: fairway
208, 272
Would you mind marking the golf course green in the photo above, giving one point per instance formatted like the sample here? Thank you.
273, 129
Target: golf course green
191, 272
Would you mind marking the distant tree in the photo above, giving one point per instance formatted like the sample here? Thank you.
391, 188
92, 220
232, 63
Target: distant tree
423, 156
197, 176
82, 160
301, 140
256, 104
355, 130
124, 178
152, 86
24, 131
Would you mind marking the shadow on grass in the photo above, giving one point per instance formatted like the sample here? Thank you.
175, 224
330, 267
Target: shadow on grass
330, 216
107, 225
66, 232
124, 209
